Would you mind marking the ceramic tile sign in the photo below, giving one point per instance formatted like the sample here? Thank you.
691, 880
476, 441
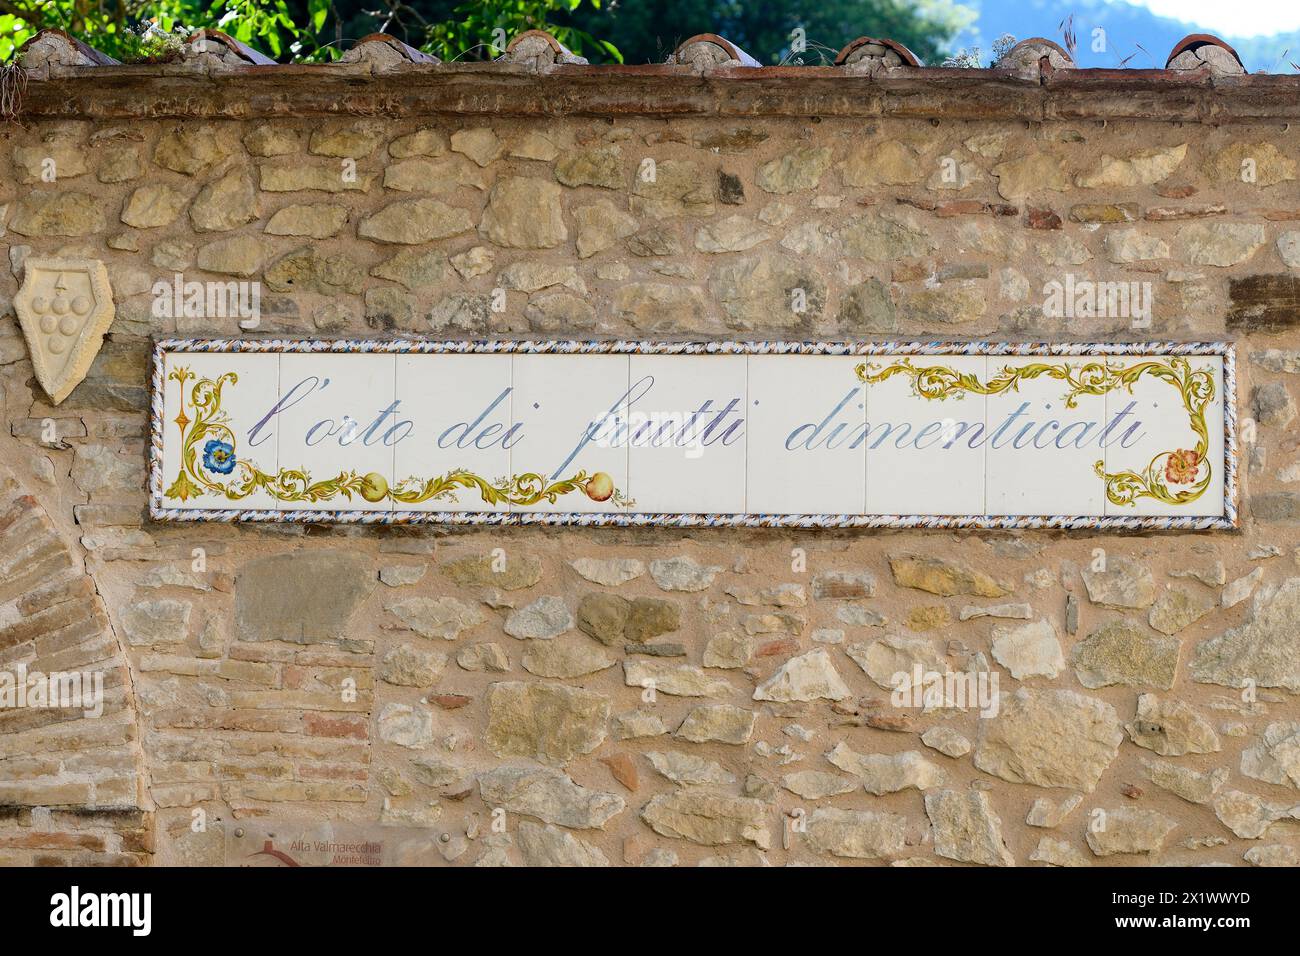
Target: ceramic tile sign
947, 435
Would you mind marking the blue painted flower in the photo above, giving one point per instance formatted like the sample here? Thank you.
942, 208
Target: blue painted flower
219, 456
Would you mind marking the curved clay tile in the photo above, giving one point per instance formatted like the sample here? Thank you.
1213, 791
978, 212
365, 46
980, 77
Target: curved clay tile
1025, 58
538, 49
223, 48
1197, 50
870, 54
708, 51
383, 51
56, 48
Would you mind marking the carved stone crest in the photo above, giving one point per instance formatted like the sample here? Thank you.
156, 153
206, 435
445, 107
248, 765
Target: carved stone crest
65, 306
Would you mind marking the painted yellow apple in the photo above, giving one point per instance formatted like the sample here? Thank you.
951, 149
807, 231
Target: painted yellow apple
374, 486
599, 487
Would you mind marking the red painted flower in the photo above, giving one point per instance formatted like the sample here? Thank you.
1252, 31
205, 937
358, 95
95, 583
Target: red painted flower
1182, 467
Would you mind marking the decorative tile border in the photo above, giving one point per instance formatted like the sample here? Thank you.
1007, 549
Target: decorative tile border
1226, 351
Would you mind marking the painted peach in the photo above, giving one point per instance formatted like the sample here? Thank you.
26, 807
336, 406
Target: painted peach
599, 487
374, 487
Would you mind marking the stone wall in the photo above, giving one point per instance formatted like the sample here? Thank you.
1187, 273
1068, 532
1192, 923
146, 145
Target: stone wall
405, 677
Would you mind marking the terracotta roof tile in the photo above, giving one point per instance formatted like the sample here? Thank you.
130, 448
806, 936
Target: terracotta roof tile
1202, 50
869, 54
382, 52
539, 51
1036, 80
1030, 58
215, 49
52, 51
706, 52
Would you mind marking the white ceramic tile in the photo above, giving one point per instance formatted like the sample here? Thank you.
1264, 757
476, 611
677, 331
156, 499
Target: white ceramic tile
244, 401
460, 409
337, 421
569, 409
1052, 472
920, 458
1153, 420
681, 461
806, 453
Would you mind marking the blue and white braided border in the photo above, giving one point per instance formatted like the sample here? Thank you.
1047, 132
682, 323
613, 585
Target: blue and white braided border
1229, 520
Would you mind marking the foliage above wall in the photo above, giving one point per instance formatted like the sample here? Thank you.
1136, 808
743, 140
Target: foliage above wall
795, 31
146, 30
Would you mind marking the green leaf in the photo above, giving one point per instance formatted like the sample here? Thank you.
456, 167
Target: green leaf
317, 11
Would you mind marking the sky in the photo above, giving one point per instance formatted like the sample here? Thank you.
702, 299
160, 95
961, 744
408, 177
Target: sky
1243, 18
1140, 33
